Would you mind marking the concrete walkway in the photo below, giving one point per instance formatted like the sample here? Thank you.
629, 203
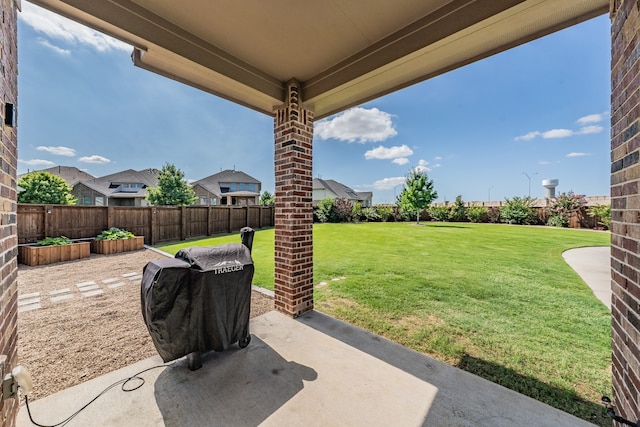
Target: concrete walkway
593, 264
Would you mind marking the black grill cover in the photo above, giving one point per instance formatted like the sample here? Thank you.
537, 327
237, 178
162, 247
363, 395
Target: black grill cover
198, 301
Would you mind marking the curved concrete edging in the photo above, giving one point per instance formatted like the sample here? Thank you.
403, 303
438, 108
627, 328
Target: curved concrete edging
593, 265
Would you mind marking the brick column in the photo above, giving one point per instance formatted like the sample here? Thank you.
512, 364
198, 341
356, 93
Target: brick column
293, 129
625, 204
8, 206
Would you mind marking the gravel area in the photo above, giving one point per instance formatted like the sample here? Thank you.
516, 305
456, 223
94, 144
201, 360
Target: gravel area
75, 338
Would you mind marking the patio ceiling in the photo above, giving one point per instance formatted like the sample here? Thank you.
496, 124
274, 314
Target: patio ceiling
343, 52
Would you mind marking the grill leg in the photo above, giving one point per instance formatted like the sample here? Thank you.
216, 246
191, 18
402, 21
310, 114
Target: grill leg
194, 361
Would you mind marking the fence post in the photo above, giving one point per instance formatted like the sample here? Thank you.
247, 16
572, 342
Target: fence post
229, 216
209, 225
183, 223
246, 216
48, 222
259, 216
153, 225
111, 217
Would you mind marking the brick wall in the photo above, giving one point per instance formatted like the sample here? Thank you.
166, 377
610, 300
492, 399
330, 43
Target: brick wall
625, 204
293, 128
8, 228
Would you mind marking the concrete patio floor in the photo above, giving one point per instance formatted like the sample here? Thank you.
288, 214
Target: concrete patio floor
312, 371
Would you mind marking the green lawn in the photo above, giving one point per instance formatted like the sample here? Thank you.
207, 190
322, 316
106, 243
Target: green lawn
495, 300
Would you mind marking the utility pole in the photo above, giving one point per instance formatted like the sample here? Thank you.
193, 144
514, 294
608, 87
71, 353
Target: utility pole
529, 178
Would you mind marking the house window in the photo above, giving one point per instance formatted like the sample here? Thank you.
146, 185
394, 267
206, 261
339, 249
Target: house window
233, 186
213, 201
243, 186
86, 200
203, 200
99, 201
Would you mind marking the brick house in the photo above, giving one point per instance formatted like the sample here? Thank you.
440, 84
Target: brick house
228, 188
71, 174
126, 188
330, 189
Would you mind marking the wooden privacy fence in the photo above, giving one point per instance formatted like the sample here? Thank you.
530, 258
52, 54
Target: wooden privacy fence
156, 223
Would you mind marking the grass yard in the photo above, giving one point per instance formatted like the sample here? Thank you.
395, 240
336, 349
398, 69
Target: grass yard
495, 300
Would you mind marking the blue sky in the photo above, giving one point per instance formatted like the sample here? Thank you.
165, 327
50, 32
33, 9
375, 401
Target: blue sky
541, 109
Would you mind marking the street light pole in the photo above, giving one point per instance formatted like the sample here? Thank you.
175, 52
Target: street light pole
529, 178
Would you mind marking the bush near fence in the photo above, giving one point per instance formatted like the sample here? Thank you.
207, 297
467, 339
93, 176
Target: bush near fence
156, 223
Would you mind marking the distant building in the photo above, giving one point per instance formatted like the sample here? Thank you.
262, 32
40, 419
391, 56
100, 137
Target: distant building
330, 189
126, 188
228, 188
70, 174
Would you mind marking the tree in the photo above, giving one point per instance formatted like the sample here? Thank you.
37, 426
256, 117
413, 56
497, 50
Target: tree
417, 194
172, 189
46, 188
267, 199
518, 210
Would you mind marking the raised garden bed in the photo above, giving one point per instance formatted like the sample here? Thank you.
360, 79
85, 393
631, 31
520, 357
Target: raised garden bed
42, 255
115, 246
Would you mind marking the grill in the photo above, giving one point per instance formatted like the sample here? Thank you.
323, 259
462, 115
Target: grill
200, 300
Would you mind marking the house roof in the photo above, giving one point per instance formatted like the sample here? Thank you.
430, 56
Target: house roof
212, 182
342, 52
340, 190
104, 184
70, 174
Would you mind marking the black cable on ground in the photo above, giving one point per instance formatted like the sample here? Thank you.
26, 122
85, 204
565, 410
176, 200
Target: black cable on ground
123, 387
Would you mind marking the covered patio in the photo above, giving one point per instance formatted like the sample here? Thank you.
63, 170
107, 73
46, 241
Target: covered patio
312, 371
302, 61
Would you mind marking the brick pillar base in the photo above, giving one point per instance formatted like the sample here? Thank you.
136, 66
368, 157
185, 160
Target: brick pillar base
293, 128
8, 206
625, 205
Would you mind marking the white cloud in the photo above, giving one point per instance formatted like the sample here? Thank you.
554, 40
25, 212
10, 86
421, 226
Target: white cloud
37, 162
59, 151
437, 165
527, 137
557, 133
422, 166
591, 118
574, 154
400, 161
590, 129
385, 153
388, 183
437, 158
54, 48
357, 124
542, 162
94, 159
59, 28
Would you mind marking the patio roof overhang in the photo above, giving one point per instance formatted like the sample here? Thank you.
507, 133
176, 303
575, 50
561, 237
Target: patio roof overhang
342, 52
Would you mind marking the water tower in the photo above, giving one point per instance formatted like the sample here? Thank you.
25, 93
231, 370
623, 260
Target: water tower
550, 185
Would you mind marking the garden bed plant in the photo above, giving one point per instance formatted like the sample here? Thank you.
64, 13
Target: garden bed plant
51, 250
115, 240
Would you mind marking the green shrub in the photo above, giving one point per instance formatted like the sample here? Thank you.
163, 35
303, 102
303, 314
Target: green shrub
518, 210
557, 221
54, 241
457, 211
384, 212
114, 233
439, 213
324, 212
477, 213
603, 213
369, 214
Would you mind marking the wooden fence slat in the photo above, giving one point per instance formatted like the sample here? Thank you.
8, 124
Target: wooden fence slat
156, 223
